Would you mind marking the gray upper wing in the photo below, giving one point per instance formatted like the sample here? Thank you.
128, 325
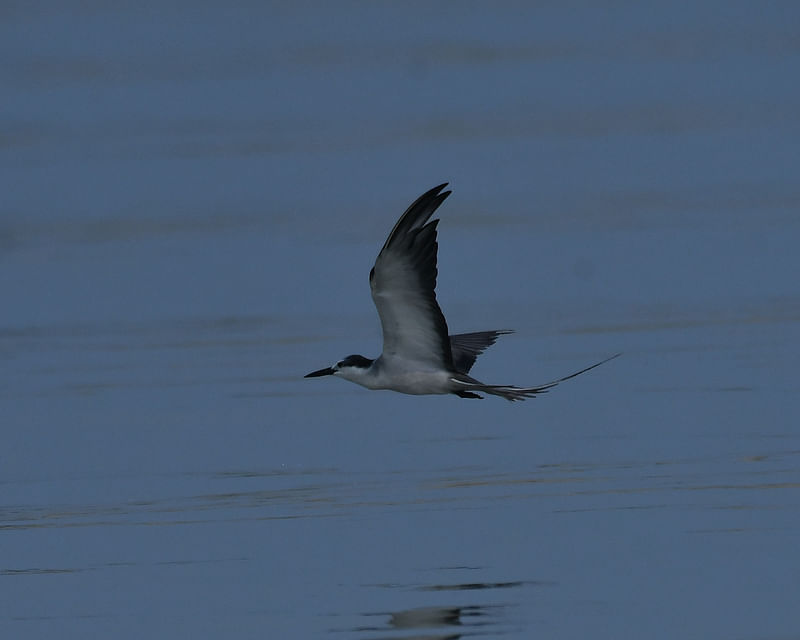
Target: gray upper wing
403, 283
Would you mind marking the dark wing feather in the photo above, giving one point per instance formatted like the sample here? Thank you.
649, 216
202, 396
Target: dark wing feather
466, 347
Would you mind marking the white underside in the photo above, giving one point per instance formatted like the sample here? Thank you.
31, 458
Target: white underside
398, 375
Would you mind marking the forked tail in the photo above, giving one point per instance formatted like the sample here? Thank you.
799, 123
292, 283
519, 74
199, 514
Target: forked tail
470, 385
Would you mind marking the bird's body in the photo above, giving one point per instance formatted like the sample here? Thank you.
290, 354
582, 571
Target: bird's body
419, 357
400, 375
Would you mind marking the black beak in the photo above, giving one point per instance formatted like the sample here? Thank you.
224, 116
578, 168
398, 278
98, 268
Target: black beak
327, 371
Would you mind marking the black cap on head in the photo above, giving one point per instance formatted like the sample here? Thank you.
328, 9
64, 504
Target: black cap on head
356, 361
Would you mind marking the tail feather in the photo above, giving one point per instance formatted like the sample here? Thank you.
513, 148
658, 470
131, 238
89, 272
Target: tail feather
512, 393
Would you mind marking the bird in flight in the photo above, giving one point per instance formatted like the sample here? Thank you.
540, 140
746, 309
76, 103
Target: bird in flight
419, 357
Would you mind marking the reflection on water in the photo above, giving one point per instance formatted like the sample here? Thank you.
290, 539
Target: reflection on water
467, 619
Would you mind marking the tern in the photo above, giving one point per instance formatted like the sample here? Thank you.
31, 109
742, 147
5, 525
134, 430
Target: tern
419, 356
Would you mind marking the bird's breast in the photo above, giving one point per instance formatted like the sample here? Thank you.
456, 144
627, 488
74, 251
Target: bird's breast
412, 379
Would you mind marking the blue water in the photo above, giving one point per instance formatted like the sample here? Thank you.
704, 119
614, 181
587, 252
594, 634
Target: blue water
192, 199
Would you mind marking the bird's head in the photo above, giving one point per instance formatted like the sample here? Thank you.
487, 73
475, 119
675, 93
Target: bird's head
350, 368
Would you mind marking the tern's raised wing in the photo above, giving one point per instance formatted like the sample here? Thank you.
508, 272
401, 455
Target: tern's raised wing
403, 283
